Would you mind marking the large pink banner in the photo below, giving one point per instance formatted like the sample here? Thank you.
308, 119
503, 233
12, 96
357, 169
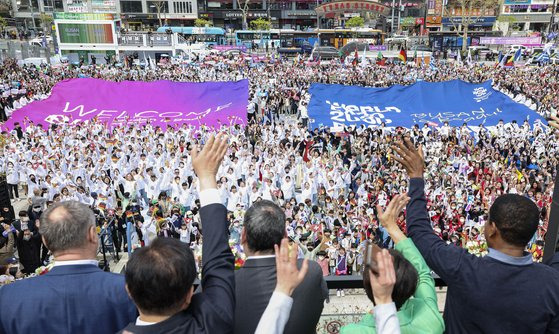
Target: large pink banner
161, 103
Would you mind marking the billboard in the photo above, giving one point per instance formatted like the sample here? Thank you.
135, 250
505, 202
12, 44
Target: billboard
533, 40
86, 33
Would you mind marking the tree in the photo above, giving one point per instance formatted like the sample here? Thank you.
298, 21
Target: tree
202, 23
355, 22
470, 12
160, 5
260, 24
46, 22
6, 6
243, 6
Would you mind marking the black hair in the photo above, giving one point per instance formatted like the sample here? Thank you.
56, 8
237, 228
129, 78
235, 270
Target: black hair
516, 217
160, 276
264, 225
406, 279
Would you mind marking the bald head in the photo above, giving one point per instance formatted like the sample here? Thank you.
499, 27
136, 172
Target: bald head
65, 226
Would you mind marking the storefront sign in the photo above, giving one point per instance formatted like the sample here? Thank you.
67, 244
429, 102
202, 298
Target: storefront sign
510, 40
351, 5
434, 19
377, 48
485, 21
517, 2
83, 16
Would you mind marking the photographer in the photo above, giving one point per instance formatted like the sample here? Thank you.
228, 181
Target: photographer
29, 249
7, 242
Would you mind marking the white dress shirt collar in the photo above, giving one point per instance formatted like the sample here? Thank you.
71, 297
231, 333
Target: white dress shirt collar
140, 322
76, 263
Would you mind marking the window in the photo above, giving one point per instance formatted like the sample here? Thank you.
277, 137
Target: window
153, 7
131, 6
182, 7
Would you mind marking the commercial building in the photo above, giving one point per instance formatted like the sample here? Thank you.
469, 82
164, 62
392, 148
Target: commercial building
526, 15
135, 14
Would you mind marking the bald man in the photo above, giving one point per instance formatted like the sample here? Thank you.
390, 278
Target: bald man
75, 296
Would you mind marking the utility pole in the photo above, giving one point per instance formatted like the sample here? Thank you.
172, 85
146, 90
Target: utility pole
425, 17
32, 16
317, 17
392, 19
399, 13
552, 19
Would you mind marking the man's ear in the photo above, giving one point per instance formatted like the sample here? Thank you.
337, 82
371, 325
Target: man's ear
127, 291
188, 298
92, 235
491, 230
243, 236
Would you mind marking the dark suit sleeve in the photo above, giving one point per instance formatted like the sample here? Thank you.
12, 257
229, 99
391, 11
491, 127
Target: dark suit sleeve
218, 277
444, 259
554, 261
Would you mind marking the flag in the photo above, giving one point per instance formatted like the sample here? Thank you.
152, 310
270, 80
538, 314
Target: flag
517, 55
432, 66
415, 54
543, 58
459, 57
469, 60
403, 56
364, 58
355, 58
102, 206
380, 56
502, 61
129, 214
510, 61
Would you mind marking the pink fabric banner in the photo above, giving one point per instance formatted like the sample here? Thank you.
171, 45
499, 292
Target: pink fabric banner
159, 102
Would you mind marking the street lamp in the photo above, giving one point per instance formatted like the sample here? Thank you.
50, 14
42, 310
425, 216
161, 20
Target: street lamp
552, 18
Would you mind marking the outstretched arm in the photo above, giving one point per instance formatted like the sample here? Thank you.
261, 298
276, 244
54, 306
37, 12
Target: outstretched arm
218, 279
444, 259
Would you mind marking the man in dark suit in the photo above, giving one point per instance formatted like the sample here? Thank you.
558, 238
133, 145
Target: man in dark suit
264, 227
75, 296
159, 277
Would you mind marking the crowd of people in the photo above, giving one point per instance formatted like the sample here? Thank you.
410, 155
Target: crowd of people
331, 187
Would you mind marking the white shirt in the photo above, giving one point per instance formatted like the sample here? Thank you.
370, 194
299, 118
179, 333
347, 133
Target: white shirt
276, 315
386, 320
140, 322
75, 263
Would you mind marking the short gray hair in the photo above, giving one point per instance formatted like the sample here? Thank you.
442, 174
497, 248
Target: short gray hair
65, 225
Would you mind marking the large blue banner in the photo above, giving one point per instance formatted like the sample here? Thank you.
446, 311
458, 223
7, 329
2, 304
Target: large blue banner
454, 101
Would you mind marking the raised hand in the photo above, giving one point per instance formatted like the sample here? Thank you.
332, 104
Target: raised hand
206, 162
288, 275
383, 283
388, 217
410, 157
554, 121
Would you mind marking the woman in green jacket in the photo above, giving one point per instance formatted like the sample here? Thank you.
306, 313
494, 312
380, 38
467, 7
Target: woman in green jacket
418, 314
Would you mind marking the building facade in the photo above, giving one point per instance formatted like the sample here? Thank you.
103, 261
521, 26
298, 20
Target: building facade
142, 15
526, 16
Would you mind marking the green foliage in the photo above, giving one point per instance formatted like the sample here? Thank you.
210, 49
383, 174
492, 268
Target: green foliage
202, 23
509, 19
355, 22
260, 24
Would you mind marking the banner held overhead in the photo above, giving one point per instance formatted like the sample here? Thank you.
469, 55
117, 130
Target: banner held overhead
160, 102
455, 102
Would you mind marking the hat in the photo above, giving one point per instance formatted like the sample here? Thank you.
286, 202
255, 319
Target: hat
189, 213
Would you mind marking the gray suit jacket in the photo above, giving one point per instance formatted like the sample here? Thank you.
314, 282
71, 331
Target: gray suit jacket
255, 283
